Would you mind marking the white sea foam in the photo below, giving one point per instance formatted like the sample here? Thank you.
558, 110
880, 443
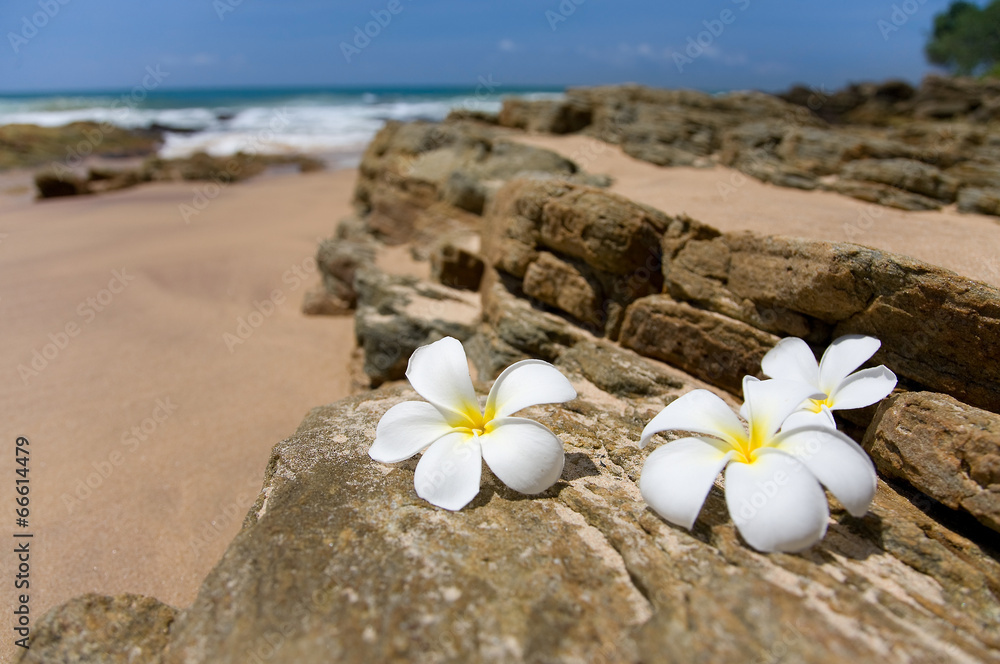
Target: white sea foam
319, 123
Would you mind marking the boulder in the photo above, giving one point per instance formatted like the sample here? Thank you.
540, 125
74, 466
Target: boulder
125, 629
935, 326
339, 560
946, 449
56, 185
583, 251
907, 174
707, 345
396, 315
980, 200
545, 115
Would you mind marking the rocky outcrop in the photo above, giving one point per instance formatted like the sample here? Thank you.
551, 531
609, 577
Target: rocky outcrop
727, 295
23, 145
944, 448
937, 97
126, 629
421, 183
339, 560
397, 315
198, 167
941, 151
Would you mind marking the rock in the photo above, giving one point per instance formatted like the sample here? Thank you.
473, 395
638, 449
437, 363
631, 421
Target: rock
981, 201
397, 315
543, 115
55, 185
882, 194
339, 560
457, 267
709, 346
339, 260
465, 192
948, 450
320, 302
583, 251
125, 629
24, 145
418, 181
906, 174
619, 371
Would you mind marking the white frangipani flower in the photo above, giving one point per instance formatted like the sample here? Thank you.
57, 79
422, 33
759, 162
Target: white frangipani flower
772, 478
456, 436
792, 359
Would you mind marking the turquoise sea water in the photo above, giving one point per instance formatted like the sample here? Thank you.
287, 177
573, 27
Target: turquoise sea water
276, 120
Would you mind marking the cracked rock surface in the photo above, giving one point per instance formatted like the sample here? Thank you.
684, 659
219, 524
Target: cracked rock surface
339, 560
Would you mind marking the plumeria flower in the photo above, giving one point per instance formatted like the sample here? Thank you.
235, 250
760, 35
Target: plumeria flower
792, 359
773, 477
456, 435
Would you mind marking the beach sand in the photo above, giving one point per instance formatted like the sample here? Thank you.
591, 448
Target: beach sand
163, 503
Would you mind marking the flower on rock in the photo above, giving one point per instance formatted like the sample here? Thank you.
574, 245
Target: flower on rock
792, 359
456, 435
773, 473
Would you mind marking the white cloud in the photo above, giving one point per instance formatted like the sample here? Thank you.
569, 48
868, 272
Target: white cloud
507, 45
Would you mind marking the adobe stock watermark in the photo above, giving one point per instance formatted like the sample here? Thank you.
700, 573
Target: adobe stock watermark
565, 9
698, 44
87, 310
899, 16
294, 278
363, 36
223, 7
121, 107
30, 27
131, 439
205, 193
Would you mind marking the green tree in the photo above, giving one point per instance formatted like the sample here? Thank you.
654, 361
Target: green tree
966, 38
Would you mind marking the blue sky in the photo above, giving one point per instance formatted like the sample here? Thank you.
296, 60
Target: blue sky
107, 44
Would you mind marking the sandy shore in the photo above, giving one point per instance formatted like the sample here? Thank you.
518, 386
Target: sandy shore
149, 427
151, 408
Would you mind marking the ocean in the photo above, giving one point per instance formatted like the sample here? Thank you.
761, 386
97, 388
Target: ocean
334, 123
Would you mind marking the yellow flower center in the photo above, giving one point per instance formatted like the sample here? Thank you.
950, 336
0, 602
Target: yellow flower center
473, 421
816, 406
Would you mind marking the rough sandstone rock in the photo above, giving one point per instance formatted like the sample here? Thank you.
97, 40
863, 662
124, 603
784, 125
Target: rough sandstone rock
125, 629
913, 165
907, 174
396, 315
942, 447
419, 180
934, 325
583, 251
339, 560
709, 346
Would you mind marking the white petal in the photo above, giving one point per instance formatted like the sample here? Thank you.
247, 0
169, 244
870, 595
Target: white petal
698, 411
524, 454
527, 383
863, 388
439, 372
776, 503
791, 359
809, 418
677, 477
406, 429
769, 402
835, 460
449, 471
844, 356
